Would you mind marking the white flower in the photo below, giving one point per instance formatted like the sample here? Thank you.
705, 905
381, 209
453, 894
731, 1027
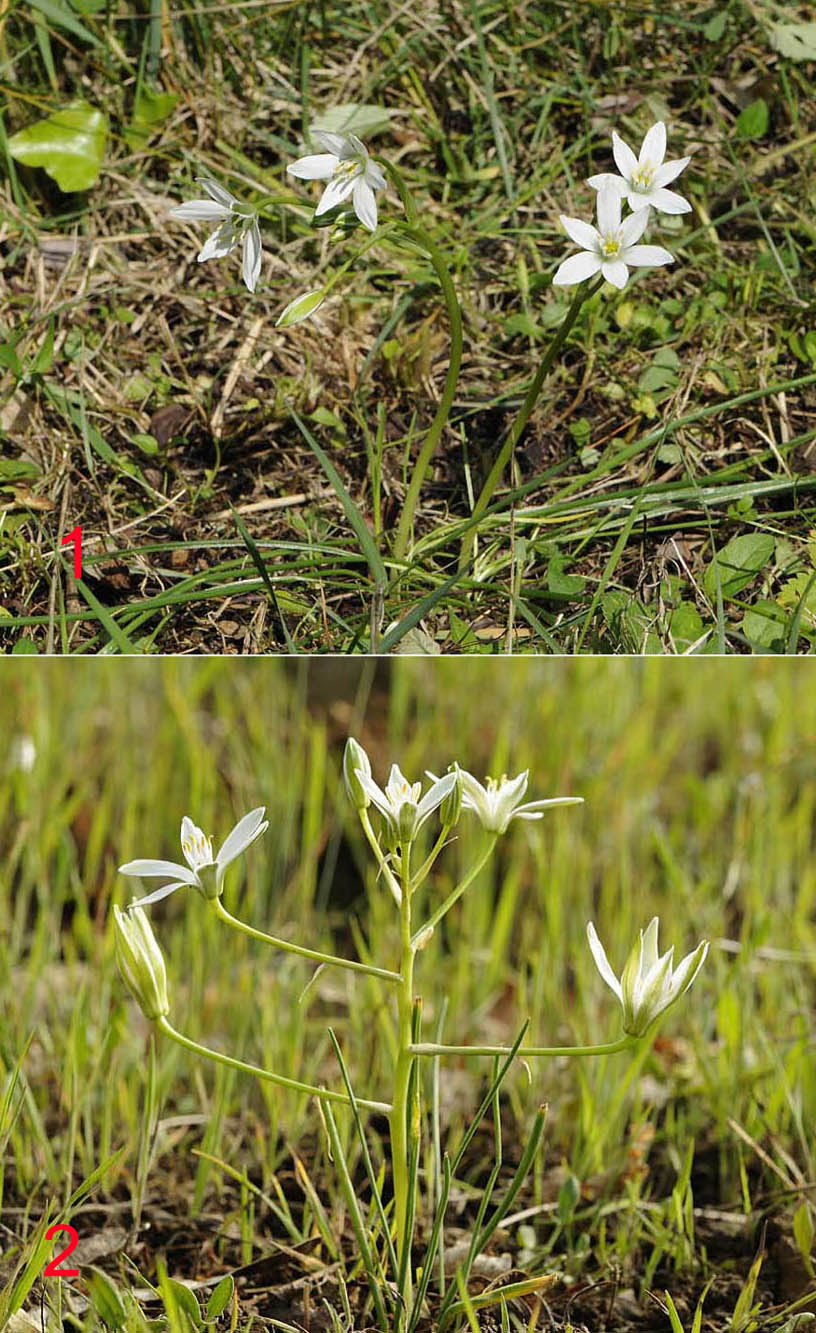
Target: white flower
402, 805
642, 179
609, 247
202, 872
349, 170
498, 802
648, 985
140, 961
239, 223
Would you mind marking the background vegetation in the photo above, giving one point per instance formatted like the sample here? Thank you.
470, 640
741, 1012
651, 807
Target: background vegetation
690, 1163
662, 495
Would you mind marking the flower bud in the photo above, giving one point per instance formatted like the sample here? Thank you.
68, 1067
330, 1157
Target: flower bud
407, 823
451, 807
354, 758
140, 961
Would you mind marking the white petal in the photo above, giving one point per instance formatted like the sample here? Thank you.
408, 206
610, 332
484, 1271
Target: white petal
606, 181
434, 797
634, 227
216, 191
653, 148
146, 869
670, 170
625, 159
650, 944
316, 167
576, 269
375, 176
157, 894
365, 204
252, 255
374, 793
602, 962
336, 192
358, 148
474, 796
666, 201
220, 243
647, 256
582, 233
245, 832
200, 210
609, 211
687, 970
333, 143
636, 199
523, 811
616, 272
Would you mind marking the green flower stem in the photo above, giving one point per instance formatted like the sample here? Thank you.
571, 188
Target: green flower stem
325, 1094
427, 865
506, 451
314, 954
402, 1079
385, 869
458, 891
608, 1048
421, 238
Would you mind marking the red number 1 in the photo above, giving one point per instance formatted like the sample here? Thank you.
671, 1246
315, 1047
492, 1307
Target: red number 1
75, 536
51, 1269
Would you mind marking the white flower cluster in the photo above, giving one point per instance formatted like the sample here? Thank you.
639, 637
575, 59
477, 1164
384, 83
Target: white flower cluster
612, 247
345, 164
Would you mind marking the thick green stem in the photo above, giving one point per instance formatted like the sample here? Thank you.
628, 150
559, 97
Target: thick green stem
314, 954
402, 1075
607, 1048
325, 1094
421, 238
506, 451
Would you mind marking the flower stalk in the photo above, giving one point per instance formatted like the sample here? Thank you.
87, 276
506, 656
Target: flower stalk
525, 411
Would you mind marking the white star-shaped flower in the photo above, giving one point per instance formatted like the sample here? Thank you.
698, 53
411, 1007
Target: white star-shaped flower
203, 871
648, 984
239, 225
348, 168
611, 246
643, 179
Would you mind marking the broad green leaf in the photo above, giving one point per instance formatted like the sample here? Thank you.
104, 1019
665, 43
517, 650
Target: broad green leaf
764, 624
686, 625
150, 110
797, 41
70, 145
105, 1299
353, 118
221, 1297
715, 27
752, 123
738, 563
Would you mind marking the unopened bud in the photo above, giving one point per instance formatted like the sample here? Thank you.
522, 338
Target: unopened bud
141, 962
355, 761
451, 807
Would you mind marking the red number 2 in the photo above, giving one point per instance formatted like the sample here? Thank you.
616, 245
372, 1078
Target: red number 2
52, 1270
75, 536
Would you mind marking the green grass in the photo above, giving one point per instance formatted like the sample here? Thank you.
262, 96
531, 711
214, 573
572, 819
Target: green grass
239, 487
670, 1168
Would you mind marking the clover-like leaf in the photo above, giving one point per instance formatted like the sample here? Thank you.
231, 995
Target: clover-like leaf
69, 145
